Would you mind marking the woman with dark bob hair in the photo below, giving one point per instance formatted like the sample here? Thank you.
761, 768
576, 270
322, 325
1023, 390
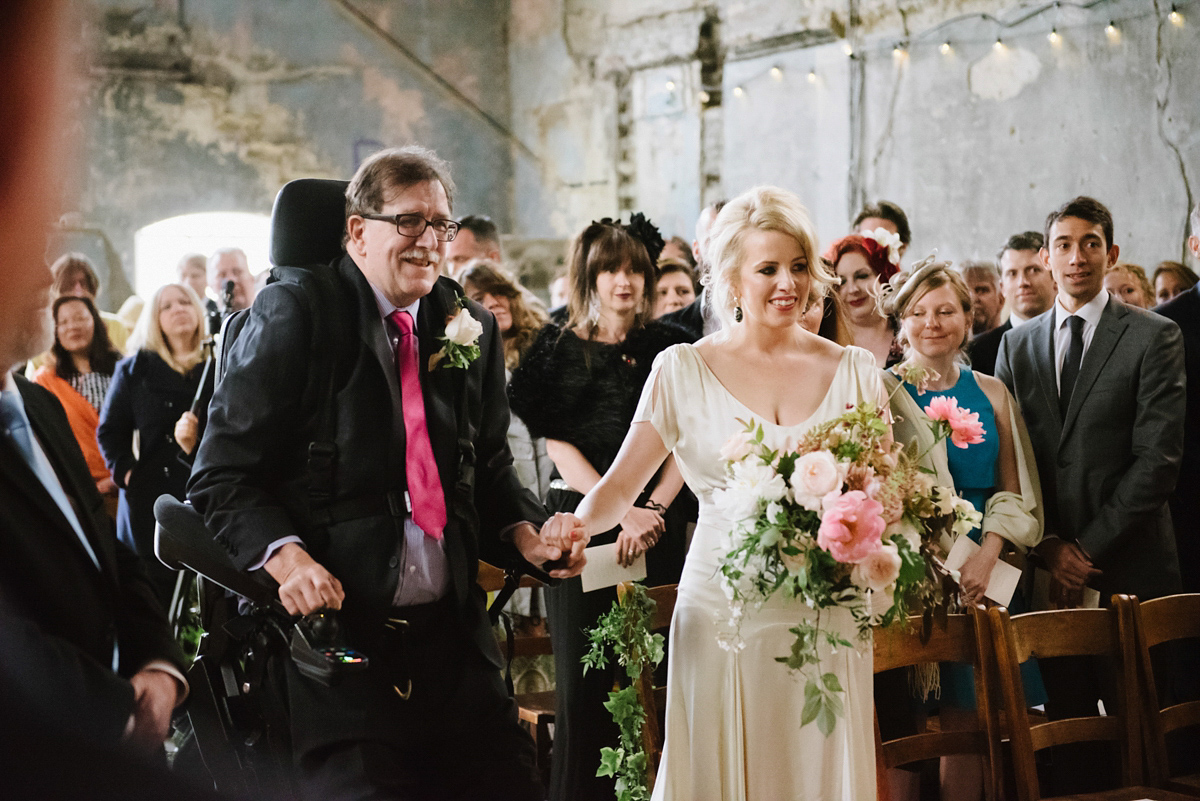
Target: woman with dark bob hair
83, 360
578, 387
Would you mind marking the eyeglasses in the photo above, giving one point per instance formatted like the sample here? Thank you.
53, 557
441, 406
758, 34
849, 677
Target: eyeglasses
414, 225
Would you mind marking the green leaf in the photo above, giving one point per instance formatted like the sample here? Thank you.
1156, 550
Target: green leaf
812, 704
610, 762
826, 720
830, 680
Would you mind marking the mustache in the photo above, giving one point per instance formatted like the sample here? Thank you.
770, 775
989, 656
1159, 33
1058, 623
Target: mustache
422, 254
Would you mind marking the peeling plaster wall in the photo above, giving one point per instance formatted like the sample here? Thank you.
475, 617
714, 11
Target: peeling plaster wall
217, 109
976, 145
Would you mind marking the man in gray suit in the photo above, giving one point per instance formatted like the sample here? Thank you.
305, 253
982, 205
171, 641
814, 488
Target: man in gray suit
1101, 387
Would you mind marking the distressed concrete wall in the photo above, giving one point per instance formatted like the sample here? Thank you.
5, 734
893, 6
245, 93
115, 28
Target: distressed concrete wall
214, 107
975, 144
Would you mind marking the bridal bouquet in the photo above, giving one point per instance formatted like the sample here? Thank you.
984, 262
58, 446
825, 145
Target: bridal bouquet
843, 518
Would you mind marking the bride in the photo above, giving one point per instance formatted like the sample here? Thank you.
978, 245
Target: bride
733, 716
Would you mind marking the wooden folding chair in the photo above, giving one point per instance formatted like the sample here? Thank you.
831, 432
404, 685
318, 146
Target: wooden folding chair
965, 640
535, 710
653, 699
1158, 621
1106, 633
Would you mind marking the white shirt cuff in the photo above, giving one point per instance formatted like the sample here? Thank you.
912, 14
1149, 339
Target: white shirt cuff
272, 548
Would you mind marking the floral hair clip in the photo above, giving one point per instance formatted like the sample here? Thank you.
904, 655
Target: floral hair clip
887, 240
648, 234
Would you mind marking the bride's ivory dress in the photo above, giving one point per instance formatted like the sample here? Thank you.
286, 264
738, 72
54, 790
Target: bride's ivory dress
733, 717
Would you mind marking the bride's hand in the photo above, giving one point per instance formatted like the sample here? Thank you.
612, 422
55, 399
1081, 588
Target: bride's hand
640, 530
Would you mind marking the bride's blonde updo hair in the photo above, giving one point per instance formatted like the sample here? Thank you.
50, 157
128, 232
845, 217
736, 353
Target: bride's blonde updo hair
905, 288
763, 208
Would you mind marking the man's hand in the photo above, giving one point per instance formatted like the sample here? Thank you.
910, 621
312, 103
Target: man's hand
304, 585
640, 530
155, 694
1067, 563
563, 534
187, 431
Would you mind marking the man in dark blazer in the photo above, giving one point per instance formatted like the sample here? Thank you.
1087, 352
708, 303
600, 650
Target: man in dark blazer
1184, 309
394, 537
1101, 388
85, 644
1026, 284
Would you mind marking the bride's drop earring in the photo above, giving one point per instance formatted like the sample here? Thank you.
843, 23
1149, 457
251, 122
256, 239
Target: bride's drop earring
737, 311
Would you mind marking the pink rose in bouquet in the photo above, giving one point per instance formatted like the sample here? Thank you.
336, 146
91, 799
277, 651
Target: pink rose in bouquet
736, 447
965, 428
852, 527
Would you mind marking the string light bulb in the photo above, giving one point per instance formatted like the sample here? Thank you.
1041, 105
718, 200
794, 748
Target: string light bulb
847, 48
898, 51
670, 86
738, 91
704, 96
945, 48
1054, 37
1175, 17
777, 73
1111, 29
812, 76
999, 45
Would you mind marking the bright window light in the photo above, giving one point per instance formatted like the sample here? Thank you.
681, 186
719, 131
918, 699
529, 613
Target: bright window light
158, 247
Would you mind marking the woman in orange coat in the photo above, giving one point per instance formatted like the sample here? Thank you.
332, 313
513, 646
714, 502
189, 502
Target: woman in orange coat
79, 376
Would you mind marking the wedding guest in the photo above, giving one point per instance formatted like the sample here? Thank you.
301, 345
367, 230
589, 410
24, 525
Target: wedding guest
477, 238
676, 286
519, 321
997, 473
1128, 284
987, 295
130, 311
863, 264
886, 215
81, 369
1101, 386
578, 387
151, 395
1029, 289
678, 248
74, 275
1171, 278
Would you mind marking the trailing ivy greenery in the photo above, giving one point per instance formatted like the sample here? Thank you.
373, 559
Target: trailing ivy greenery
625, 631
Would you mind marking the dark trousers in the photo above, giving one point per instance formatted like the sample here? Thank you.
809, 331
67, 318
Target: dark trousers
456, 737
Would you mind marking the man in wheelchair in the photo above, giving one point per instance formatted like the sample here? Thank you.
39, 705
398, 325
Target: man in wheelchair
356, 454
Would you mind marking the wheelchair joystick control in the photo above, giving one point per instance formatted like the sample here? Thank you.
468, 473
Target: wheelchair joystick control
318, 651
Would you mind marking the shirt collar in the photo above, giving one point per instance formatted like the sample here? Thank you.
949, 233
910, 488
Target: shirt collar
7, 384
1090, 311
386, 307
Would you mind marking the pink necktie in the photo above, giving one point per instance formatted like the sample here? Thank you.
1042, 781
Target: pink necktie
424, 483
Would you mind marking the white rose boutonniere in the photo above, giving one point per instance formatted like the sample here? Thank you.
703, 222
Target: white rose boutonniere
461, 338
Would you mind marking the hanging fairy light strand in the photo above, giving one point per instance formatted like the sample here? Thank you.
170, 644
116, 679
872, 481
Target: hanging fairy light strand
1112, 28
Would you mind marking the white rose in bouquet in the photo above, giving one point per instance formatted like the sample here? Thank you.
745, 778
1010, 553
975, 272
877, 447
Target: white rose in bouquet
878, 569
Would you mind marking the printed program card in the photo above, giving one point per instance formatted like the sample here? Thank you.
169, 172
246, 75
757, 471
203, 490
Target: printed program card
1004, 579
602, 569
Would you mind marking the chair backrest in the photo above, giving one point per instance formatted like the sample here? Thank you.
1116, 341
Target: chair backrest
965, 640
653, 699
307, 222
1158, 621
1106, 633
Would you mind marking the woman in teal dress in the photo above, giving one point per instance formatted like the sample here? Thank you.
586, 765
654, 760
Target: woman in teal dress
997, 475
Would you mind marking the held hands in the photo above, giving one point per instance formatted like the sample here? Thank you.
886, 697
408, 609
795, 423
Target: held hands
154, 693
304, 585
640, 530
564, 536
187, 431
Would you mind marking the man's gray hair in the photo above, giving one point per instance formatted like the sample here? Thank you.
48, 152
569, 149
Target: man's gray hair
220, 252
979, 267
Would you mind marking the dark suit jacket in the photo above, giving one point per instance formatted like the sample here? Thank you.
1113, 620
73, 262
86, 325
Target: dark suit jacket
983, 348
250, 477
63, 614
1109, 466
690, 317
1184, 309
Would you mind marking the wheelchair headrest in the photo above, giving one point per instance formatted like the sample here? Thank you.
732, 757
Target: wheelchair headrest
307, 222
